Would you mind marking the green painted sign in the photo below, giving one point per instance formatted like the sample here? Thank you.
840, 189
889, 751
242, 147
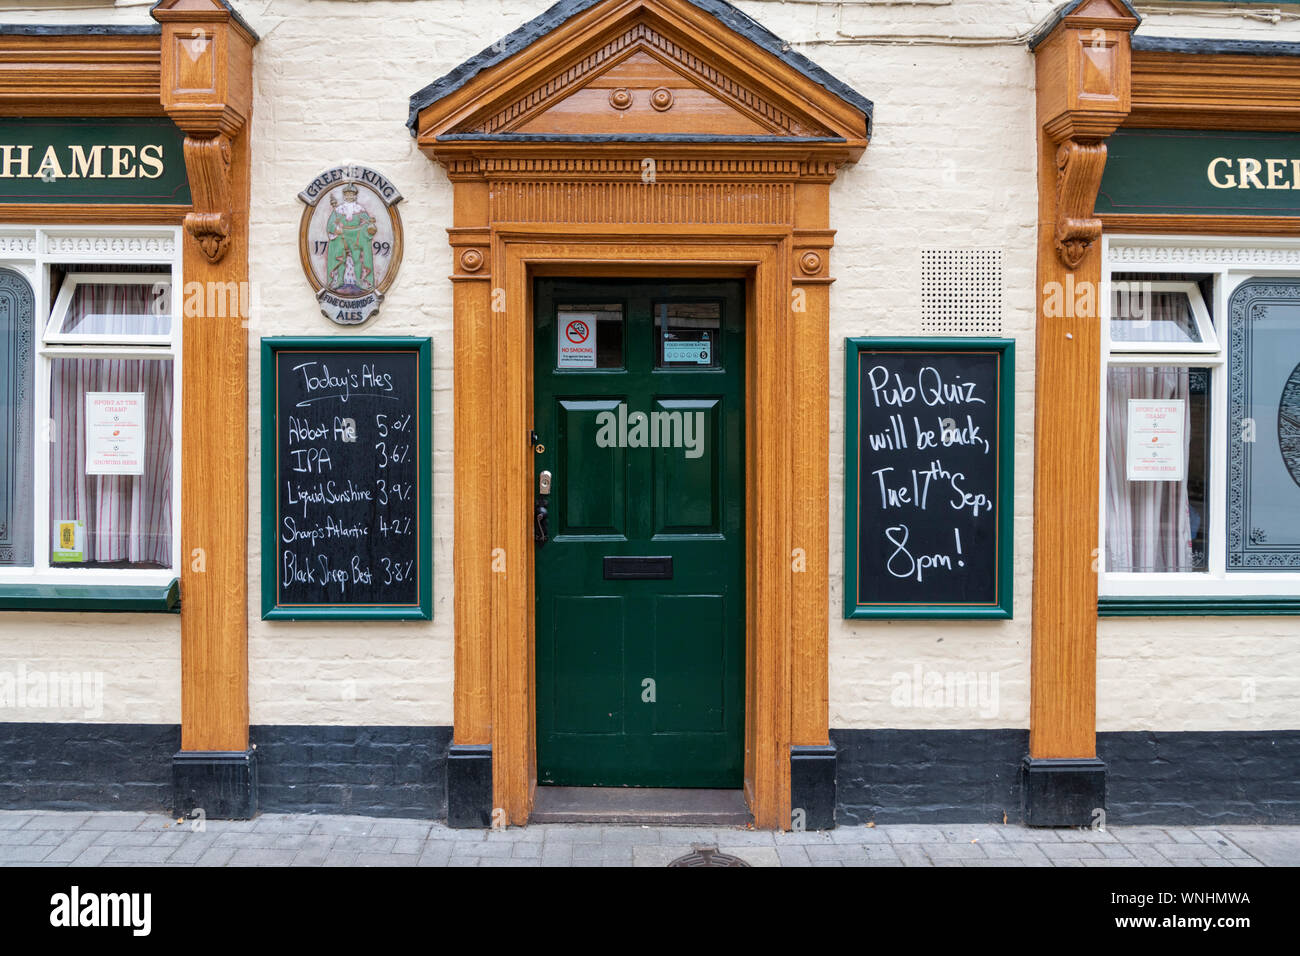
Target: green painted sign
1188, 172
122, 160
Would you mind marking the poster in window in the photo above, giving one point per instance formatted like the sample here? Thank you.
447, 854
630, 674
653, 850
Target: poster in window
115, 430
1157, 442
697, 351
69, 542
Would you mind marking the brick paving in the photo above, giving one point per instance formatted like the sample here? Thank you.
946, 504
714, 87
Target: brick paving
45, 838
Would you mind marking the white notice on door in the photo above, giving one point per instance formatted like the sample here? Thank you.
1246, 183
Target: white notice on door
1157, 439
577, 340
115, 433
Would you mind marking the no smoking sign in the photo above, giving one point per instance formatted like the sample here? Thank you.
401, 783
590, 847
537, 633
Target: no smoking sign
576, 341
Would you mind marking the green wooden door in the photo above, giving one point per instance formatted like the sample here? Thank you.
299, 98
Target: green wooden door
639, 407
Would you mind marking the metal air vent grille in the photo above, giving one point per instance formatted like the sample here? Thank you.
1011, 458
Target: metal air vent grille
961, 291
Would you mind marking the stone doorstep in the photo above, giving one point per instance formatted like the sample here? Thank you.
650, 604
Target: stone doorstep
640, 805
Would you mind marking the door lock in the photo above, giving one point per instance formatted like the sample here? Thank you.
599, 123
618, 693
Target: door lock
541, 528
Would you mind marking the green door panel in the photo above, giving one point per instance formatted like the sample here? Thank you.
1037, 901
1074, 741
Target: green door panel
690, 663
687, 488
597, 504
586, 644
641, 682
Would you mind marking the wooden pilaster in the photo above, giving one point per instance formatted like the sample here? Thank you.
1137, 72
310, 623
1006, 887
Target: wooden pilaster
810, 281
1083, 96
206, 88
475, 553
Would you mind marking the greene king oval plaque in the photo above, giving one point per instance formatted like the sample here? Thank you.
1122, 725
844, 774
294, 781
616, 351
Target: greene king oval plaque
350, 241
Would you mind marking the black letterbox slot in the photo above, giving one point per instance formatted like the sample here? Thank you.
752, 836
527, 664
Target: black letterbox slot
628, 568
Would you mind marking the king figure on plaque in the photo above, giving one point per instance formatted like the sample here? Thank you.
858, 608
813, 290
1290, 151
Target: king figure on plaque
349, 258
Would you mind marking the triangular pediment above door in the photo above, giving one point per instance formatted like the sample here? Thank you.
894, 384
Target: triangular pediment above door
632, 71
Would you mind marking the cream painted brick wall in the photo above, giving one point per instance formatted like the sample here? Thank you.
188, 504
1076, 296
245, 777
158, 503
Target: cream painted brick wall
74, 11
1276, 22
952, 164
331, 85
917, 187
1187, 673
134, 661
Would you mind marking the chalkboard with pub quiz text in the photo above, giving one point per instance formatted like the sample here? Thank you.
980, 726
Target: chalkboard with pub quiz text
346, 478
928, 469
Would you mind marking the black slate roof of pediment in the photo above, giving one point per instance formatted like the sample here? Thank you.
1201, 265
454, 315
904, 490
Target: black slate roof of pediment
737, 20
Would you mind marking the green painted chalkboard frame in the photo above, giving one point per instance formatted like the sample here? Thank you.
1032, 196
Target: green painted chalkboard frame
271, 609
1006, 348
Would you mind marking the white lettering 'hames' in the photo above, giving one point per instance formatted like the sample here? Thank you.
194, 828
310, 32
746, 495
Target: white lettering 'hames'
104, 161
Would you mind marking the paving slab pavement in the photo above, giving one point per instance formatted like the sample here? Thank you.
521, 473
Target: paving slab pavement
52, 838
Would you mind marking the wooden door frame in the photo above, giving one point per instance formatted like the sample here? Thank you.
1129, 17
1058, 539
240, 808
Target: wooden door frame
727, 253
786, 445
638, 186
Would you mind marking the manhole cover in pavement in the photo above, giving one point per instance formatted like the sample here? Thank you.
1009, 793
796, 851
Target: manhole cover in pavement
707, 856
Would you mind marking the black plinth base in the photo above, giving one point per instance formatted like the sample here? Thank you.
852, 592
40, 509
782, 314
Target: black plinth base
469, 786
221, 784
812, 787
1068, 792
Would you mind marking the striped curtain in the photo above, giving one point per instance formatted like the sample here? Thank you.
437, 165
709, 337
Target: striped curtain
1148, 523
1164, 317
111, 309
128, 518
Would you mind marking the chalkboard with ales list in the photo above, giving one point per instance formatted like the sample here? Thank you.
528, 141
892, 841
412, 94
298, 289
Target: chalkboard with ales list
928, 477
346, 495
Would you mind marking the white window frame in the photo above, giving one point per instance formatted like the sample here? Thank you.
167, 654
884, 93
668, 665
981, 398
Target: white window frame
59, 313
1231, 260
1209, 344
32, 250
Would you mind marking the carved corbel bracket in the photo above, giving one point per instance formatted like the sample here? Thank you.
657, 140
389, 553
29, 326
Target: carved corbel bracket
206, 88
1084, 93
208, 163
1079, 166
